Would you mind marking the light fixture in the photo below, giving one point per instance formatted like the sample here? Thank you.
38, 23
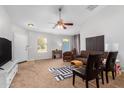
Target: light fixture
30, 25
60, 26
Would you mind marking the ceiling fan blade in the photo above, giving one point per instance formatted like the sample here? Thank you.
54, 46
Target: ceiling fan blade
64, 27
55, 26
70, 24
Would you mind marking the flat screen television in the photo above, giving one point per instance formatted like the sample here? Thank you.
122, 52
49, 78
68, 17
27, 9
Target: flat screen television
95, 43
5, 51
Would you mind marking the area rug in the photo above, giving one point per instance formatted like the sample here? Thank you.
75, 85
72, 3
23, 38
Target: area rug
62, 73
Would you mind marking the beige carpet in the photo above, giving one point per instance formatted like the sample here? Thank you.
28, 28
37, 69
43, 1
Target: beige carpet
35, 74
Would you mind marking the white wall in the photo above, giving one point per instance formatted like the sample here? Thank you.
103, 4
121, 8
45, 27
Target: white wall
109, 22
54, 42
5, 24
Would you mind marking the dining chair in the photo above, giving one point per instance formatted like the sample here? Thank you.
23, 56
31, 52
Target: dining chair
91, 71
110, 65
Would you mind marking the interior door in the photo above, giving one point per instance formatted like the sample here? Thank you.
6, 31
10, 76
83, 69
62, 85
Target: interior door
20, 47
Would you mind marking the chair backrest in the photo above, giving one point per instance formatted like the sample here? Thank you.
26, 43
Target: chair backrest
67, 53
110, 62
93, 65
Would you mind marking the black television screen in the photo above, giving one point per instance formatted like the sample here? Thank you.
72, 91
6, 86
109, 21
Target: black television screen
95, 43
5, 51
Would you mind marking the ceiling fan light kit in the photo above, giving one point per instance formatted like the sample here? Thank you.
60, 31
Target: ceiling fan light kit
30, 25
60, 27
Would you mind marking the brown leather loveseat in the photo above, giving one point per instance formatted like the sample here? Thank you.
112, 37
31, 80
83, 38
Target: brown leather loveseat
68, 56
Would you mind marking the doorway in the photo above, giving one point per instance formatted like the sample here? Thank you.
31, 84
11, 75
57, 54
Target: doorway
20, 47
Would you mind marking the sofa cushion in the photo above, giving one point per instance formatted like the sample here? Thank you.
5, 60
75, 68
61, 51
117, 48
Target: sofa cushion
84, 54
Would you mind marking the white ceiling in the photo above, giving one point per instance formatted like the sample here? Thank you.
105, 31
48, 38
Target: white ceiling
44, 16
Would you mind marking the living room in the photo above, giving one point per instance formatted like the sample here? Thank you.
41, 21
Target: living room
38, 43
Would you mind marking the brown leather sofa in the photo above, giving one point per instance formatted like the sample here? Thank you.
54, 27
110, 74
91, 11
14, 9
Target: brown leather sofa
84, 55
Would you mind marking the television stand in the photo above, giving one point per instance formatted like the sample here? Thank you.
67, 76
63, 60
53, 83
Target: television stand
7, 73
1, 69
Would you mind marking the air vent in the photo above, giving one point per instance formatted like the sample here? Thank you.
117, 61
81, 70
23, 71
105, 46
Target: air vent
91, 7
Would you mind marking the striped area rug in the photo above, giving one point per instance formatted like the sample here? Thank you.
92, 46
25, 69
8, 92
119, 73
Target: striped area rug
62, 72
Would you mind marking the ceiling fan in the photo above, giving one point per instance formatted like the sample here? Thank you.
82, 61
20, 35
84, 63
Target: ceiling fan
60, 23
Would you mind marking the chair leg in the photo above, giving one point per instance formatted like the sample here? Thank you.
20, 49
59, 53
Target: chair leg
113, 76
86, 83
97, 82
106, 73
102, 76
73, 79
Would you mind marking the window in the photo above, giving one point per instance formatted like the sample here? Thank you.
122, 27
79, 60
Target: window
66, 46
42, 45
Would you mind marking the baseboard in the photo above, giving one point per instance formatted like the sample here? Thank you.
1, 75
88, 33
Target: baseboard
19, 61
22, 62
31, 60
38, 59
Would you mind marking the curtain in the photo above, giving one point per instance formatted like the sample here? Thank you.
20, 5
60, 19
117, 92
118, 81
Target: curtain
76, 43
